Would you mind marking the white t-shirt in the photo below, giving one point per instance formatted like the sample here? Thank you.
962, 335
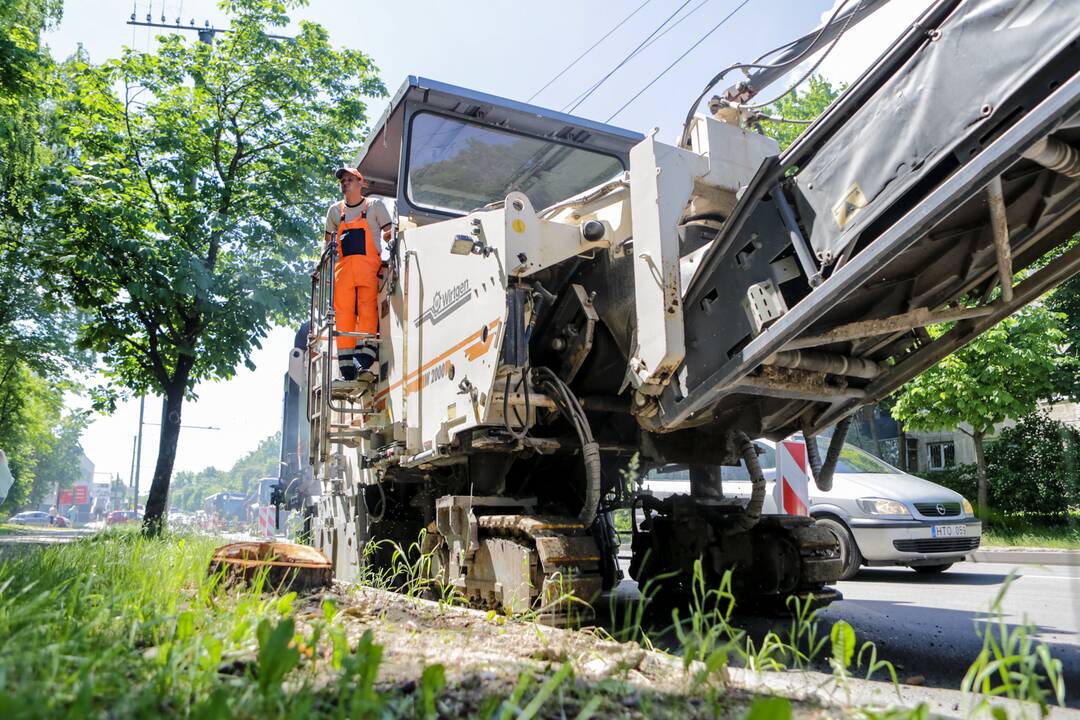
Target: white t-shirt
378, 217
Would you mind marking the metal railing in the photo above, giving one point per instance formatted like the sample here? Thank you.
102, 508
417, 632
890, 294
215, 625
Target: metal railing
321, 359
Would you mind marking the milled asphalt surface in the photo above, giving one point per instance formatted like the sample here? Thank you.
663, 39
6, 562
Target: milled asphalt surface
927, 625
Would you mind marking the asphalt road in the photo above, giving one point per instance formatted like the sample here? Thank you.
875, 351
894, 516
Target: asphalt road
928, 625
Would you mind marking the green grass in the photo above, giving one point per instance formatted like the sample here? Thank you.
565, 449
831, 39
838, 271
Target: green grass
1024, 531
13, 529
121, 626
1061, 538
124, 627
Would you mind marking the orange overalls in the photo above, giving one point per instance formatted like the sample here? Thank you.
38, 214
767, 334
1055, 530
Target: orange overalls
356, 292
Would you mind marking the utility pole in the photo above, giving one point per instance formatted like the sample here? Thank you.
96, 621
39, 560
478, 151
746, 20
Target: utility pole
138, 454
131, 474
206, 32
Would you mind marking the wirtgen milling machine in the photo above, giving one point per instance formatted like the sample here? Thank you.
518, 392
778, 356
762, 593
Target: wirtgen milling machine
563, 296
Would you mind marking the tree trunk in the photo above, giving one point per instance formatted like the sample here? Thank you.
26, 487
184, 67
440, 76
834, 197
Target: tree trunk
901, 442
154, 517
980, 463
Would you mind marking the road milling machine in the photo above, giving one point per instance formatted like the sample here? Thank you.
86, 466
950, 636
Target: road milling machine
567, 304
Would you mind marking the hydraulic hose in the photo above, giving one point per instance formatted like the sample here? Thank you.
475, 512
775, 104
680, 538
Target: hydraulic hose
823, 472
590, 453
813, 454
590, 449
752, 512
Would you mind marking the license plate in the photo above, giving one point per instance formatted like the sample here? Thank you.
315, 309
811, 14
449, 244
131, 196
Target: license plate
949, 531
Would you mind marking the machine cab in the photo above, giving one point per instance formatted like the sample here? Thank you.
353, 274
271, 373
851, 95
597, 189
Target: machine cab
443, 151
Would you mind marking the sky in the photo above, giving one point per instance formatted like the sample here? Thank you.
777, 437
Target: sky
510, 48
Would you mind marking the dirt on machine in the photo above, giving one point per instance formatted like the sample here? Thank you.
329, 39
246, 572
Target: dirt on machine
567, 304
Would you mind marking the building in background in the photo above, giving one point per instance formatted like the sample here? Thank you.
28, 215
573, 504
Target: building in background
875, 431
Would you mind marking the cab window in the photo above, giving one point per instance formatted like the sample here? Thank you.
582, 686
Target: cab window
457, 167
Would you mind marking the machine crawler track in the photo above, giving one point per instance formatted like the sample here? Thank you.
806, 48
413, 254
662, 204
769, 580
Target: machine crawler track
520, 564
779, 557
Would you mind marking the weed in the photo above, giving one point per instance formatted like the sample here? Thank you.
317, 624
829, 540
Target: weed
357, 696
278, 655
803, 639
1012, 663
769, 708
511, 707
432, 681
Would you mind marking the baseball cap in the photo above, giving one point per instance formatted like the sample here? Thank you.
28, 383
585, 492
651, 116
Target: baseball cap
348, 171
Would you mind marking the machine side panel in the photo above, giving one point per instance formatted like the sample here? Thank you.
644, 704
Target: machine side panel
457, 309
661, 181
961, 84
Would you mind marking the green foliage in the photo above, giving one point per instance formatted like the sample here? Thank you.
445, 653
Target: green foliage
1001, 374
189, 489
1012, 663
1065, 300
22, 59
32, 327
432, 681
800, 105
278, 655
125, 626
1032, 472
964, 479
769, 708
41, 441
842, 637
1033, 468
35, 333
187, 197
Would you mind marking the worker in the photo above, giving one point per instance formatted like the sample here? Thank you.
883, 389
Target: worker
349, 223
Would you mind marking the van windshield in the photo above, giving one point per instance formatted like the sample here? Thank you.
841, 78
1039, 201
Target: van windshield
851, 460
457, 167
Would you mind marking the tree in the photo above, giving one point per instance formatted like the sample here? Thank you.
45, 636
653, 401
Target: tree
1001, 374
190, 489
1065, 300
31, 332
189, 198
41, 442
800, 105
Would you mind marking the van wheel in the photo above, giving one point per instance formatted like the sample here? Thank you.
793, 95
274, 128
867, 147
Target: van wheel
931, 569
850, 556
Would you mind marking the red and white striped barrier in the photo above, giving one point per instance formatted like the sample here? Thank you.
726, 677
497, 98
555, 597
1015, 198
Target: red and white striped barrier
792, 488
266, 521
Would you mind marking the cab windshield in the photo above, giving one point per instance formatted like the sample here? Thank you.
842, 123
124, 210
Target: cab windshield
457, 167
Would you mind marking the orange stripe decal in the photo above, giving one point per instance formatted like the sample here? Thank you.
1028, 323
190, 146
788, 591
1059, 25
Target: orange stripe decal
413, 379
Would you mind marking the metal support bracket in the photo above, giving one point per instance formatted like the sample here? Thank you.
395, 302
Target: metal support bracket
802, 248
1000, 225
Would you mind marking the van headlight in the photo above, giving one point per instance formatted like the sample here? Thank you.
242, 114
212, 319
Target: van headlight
968, 510
884, 507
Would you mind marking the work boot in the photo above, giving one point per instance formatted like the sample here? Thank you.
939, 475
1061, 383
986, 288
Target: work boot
363, 364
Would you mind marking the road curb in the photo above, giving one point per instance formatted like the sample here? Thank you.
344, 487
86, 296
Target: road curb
1023, 556
851, 692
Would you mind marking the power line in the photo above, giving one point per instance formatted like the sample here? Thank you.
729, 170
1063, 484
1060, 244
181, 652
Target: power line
761, 67
679, 59
627, 58
814, 67
591, 48
650, 43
